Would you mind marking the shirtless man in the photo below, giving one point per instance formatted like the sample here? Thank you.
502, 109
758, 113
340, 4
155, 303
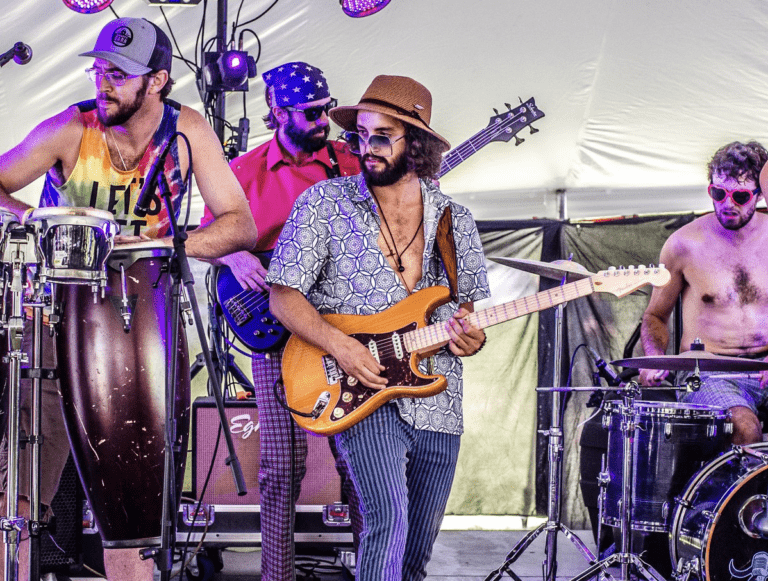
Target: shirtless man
717, 263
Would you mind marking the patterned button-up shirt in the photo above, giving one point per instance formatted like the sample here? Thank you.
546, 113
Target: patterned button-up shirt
328, 250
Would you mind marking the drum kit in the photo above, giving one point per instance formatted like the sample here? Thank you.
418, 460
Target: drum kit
122, 364
669, 469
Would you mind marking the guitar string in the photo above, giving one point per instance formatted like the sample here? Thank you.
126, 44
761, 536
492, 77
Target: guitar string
486, 135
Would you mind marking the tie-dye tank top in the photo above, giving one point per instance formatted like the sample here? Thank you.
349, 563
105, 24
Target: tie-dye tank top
96, 183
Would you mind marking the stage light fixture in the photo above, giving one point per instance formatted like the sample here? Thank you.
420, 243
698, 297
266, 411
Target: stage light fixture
228, 71
173, 2
87, 6
360, 8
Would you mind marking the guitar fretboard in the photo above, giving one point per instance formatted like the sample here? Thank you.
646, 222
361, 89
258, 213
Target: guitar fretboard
429, 337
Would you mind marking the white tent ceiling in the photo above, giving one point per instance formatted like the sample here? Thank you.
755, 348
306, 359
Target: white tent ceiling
637, 94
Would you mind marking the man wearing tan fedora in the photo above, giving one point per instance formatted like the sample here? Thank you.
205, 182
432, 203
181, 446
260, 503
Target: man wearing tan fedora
359, 245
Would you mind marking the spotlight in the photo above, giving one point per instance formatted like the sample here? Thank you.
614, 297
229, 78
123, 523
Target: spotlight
87, 6
360, 8
228, 71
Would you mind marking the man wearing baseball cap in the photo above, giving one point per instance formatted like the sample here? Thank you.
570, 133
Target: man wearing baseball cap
96, 154
358, 246
273, 175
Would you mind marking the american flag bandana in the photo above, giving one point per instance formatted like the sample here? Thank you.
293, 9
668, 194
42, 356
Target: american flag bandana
295, 83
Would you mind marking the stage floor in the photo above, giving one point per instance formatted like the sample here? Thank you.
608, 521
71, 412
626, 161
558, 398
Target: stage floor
458, 556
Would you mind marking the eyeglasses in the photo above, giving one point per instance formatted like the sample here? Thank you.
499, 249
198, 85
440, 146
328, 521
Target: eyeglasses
115, 78
314, 113
740, 196
377, 144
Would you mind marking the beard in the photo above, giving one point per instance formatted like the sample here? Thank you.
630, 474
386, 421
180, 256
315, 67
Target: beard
125, 109
394, 170
307, 141
740, 222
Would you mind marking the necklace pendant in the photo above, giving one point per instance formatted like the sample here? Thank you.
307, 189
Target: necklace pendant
401, 268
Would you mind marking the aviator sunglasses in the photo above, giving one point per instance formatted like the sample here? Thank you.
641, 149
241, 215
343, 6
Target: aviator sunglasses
314, 113
377, 144
740, 196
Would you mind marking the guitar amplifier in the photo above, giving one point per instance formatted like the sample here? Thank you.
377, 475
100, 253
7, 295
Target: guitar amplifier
321, 485
228, 520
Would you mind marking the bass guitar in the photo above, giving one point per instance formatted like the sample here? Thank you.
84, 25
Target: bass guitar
327, 401
247, 311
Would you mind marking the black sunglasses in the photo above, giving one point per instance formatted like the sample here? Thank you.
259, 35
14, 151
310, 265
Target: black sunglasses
314, 113
739, 196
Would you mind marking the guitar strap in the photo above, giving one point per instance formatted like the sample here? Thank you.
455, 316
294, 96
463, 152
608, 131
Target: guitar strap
333, 171
446, 245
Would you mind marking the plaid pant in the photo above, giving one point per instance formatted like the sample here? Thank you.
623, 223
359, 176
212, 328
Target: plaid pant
275, 425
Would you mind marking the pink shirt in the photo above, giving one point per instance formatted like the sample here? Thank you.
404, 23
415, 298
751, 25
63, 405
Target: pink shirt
272, 182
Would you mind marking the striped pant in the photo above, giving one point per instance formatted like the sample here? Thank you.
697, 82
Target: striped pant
403, 477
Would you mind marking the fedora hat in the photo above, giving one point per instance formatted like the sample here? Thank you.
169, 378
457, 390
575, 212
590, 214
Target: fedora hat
399, 97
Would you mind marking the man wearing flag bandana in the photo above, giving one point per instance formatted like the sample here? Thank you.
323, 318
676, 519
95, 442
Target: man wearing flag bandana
273, 175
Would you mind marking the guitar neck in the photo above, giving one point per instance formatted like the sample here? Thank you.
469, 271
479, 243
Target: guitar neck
465, 150
427, 338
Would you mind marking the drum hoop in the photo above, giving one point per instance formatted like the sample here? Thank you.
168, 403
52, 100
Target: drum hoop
127, 254
70, 211
669, 409
692, 485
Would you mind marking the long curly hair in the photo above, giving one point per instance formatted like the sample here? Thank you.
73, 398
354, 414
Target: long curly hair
740, 161
424, 151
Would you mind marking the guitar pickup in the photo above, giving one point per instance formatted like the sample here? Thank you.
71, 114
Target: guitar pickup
238, 311
333, 373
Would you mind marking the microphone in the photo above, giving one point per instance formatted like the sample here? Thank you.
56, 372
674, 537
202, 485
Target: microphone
22, 53
150, 182
604, 370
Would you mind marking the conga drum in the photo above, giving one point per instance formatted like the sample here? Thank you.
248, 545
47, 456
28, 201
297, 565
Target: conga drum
113, 391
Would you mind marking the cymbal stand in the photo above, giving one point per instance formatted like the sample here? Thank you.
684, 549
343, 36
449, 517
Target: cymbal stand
553, 525
625, 558
18, 251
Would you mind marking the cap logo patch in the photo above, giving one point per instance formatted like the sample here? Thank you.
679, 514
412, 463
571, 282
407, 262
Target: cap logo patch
122, 37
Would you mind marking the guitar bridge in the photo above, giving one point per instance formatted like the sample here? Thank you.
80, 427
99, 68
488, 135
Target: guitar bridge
333, 372
238, 311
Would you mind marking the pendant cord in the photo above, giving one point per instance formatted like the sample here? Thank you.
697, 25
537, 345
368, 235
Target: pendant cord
400, 267
117, 147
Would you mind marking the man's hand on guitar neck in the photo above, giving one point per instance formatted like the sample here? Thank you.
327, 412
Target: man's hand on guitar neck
247, 270
465, 339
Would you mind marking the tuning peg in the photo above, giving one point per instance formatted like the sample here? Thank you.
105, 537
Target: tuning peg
495, 110
533, 129
508, 106
518, 140
519, 99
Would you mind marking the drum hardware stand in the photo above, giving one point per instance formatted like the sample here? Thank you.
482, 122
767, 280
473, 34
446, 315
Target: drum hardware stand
624, 557
553, 525
182, 275
20, 245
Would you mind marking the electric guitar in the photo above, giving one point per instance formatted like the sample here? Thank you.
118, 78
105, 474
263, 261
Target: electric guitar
329, 401
247, 311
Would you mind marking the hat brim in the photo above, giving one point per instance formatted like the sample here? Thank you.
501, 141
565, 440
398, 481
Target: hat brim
346, 118
125, 64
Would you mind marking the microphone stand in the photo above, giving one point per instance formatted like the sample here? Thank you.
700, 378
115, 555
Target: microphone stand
182, 274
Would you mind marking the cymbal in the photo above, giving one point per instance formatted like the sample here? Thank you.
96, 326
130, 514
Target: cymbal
687, 360
557, 269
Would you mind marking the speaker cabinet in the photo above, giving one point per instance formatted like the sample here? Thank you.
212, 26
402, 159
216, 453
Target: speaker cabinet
321, 486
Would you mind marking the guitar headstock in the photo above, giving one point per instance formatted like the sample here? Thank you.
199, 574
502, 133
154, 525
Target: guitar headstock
504, 126
622, 281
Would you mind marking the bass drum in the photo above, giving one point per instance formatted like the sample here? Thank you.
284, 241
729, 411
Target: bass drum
113, 392
718, 528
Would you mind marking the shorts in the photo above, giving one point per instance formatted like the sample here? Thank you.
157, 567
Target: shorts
55, 447
727, 392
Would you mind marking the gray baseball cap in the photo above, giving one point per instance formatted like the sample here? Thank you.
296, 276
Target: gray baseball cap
135, 45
